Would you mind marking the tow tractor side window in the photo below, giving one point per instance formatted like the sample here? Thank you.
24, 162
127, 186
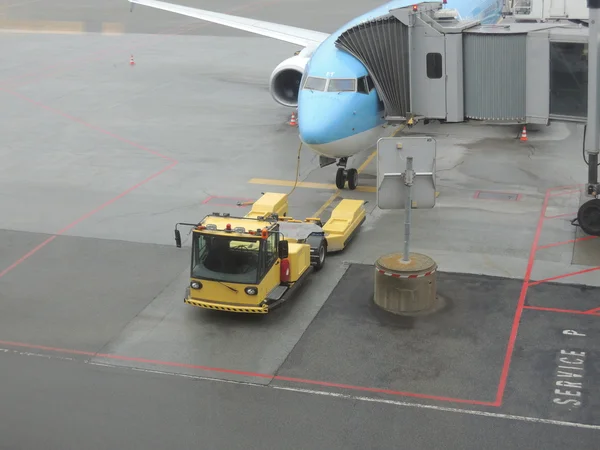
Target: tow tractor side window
271, 253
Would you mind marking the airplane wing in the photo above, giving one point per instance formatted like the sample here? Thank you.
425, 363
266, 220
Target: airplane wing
284, 33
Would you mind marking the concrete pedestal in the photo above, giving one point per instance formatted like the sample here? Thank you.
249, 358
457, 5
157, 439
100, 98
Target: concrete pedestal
405, 288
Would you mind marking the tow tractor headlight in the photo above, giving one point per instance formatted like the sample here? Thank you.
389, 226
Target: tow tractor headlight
195, 285
251, 291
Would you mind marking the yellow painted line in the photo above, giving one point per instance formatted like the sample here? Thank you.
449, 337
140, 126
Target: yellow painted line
18, 4
112, 28
312, 185
306, 184
326, 204
42, 26
364, 165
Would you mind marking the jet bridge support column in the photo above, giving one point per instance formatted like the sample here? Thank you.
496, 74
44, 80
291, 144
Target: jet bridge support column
589, 213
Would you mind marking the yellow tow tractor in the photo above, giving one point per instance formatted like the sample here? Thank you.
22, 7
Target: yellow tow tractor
254, 263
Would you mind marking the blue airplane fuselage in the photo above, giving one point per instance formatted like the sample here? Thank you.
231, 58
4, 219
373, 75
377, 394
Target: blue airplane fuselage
339, 121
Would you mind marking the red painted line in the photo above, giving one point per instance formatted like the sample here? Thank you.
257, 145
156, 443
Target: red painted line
560, 216
564, 311
27, 255
571, 187
593, 311
88, 125
521, 303
87, 215
567, 275
572, 241
245, 373
245, 201
66, 351
578, 191
384, 391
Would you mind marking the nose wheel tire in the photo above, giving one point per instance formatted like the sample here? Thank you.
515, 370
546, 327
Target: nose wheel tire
589, 217
350, 175
340, 178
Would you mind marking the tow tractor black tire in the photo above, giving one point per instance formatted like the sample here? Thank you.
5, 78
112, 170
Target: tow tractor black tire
352, 179
340, 179
322, 254
589, 217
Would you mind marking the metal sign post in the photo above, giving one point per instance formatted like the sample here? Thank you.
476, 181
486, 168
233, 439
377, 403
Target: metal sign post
406, 177
408, 182
592, 141
406, 283
588, 215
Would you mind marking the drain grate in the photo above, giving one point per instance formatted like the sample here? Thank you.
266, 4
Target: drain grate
227, 201
503, 196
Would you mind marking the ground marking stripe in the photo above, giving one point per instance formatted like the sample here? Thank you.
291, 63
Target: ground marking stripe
442, 408
331, 394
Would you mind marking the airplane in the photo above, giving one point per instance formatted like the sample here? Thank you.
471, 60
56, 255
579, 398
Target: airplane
340, 112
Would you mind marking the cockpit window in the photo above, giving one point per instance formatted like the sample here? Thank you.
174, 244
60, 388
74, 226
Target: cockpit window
315, 84
341, 85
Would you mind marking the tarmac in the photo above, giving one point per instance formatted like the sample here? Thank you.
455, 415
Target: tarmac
100, 160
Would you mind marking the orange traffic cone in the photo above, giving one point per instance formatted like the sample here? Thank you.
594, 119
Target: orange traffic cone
524, 134
131, 61
293, 121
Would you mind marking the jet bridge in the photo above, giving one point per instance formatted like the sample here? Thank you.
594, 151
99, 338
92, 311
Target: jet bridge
426, 63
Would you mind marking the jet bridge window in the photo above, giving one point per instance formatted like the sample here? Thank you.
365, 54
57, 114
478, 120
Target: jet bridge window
342, 85
315, 84
434, 66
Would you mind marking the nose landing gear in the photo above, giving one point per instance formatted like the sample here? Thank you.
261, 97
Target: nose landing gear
342, 175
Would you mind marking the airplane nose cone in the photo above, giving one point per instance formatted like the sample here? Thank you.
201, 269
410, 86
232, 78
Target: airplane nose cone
313, 128
320, 119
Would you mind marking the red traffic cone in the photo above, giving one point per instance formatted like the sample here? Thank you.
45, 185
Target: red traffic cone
293, 121
131, 61
524, 134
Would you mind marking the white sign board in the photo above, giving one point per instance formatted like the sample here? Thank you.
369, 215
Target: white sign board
391, 164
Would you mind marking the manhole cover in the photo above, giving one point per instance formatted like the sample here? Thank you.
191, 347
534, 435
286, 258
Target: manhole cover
490, 195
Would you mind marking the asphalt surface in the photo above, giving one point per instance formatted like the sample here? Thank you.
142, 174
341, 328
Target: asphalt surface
90, 16
101, 159
70, 405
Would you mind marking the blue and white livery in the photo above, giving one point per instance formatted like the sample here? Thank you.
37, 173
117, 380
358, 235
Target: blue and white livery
339, 111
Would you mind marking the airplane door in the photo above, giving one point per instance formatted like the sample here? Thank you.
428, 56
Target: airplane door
428, 74
435, 76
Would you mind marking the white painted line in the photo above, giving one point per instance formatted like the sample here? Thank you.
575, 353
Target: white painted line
174, 374
333, 394
442, 408
41, 355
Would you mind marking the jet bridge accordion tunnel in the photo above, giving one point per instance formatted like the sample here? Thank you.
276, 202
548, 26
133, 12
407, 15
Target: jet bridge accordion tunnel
428, 64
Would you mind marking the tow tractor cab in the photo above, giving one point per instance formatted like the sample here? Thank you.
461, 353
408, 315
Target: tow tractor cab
252, 264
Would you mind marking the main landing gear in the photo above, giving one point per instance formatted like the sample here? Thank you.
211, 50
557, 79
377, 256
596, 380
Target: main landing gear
342, 175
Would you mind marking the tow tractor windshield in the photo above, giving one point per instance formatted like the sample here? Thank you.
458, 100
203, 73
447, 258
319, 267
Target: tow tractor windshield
224, 258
